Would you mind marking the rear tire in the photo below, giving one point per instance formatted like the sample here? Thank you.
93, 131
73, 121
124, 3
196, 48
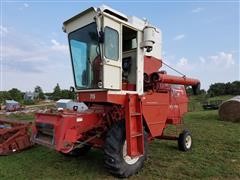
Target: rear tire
185, 140
78, 151
115, 158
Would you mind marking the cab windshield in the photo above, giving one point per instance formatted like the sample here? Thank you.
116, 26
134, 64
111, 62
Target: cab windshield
85, 57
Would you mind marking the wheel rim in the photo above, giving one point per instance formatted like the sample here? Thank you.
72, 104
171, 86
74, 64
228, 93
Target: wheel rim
127, 158
188, 141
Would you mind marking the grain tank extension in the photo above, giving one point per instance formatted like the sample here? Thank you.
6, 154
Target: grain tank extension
116, 62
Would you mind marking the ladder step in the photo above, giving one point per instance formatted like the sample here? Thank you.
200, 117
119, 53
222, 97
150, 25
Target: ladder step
136, 135
135, 114
134, 127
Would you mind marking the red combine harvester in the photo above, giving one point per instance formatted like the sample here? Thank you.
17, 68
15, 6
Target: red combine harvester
116, 63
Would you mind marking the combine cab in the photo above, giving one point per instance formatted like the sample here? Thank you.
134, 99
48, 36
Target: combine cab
117, 63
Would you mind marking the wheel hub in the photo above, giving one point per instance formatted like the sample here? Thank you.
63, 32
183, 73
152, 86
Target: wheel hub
127, 158
188, 141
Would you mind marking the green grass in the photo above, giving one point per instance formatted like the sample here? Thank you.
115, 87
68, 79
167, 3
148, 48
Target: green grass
215, 155
225, 97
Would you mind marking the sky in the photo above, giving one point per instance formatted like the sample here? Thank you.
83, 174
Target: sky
199, 39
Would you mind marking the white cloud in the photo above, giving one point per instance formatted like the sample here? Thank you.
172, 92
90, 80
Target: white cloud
12, 52
197, 10
26, 5
55, 43
3, 30
202, 59
29, 57
184, 66
219, 67
182, 62
223, 59
30, 49
58, 46
179, 37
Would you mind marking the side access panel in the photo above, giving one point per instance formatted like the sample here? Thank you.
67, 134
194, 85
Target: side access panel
155, 109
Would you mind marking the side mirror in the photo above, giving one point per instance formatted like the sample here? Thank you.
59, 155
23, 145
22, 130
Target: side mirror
72, 89
196, 89
101, 37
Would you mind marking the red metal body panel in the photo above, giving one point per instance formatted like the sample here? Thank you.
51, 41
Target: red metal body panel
151, 64
67, 128
101, 96
14, 136
178, 105
155, 111
170, 79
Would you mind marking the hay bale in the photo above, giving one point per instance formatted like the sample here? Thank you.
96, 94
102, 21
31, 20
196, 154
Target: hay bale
230, 110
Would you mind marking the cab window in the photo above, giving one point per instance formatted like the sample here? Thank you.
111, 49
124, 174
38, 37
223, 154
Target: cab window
111, 44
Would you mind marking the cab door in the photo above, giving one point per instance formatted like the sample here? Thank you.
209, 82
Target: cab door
112, 73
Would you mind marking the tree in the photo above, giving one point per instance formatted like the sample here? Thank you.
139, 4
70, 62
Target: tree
67, 94
235, 88
229, 88
16, 94
202, 91
217, 89
56, 92
4, 95
38, 90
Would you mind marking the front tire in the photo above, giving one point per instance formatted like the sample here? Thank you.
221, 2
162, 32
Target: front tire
185, 140
115, 155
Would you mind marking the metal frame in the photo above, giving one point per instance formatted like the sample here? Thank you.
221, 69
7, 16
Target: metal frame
153, 106
14, 137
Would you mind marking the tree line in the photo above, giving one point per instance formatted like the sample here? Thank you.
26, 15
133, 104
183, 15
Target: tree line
219, 89
230, 88
216, 89
17, 95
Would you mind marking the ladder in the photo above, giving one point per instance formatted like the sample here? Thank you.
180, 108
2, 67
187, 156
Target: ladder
134, 125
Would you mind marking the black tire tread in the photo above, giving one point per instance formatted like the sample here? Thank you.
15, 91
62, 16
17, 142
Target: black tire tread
113, 160
181, 140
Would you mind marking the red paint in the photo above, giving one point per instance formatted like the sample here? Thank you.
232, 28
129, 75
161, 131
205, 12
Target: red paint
128, 87
155, 111
134, 128
14, 136
151, 64
162, 103
68, 127
101, 96
170, 79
